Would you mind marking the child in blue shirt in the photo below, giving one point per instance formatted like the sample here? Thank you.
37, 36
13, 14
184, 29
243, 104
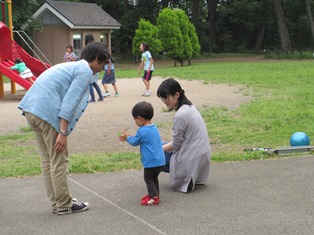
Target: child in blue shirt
148, 64
152, 154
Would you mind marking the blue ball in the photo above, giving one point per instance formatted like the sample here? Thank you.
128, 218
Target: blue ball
299, 139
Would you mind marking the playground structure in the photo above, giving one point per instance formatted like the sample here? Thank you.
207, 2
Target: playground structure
10, 50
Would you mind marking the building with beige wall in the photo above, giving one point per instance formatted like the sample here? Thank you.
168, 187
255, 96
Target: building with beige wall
67, 23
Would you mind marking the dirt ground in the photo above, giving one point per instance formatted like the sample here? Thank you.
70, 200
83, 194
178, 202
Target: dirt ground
97, 130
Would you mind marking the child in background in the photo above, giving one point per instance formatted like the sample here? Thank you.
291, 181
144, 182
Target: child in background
109, 78
69, 55
91, 89
25, 72
152, 154
89, 38
147, 62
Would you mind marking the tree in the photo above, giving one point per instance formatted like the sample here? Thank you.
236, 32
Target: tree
164, 3
261, 26
282, 27
310, 17
170, 34
212, 16
22, 11
184, 28
221, 25
196, 47
195, 12
146, 32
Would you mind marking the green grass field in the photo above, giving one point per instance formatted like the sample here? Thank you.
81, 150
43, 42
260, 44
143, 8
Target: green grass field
283, 103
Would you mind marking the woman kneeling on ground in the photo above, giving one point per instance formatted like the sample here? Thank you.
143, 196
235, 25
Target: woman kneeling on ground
190, 147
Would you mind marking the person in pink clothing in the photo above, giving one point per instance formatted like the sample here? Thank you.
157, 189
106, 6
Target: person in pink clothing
69, 55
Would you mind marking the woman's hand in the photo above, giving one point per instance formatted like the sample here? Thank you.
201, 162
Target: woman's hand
168, 147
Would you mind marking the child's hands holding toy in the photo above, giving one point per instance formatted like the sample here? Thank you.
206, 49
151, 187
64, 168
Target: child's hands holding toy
124, 135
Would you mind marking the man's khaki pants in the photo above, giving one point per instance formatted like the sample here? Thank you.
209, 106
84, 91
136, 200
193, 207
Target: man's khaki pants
53, 164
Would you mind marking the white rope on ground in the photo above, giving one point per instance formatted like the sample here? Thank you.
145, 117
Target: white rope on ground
120, 208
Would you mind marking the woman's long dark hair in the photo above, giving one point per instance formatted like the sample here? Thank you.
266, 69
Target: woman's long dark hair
171, 87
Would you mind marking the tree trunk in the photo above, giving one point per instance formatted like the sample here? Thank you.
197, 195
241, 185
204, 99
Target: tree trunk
282, 26
261, 30
116, 43
164, 3
195, 12
259, 39
309, 14
125, 8
212, 16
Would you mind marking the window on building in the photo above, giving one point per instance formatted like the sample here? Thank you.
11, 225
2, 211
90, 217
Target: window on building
77, 44
104, 38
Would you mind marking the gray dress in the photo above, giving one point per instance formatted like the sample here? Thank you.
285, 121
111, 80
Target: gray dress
191, 155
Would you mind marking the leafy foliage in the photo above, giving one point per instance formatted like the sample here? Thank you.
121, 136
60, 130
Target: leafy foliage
170, 34
146, 32
184, 28
22, 11
238, 25
196, 47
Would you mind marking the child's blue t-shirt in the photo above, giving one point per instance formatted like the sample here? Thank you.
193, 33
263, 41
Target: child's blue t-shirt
111, 66
148, 137
146, 56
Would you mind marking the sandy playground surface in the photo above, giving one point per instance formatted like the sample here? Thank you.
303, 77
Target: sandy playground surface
97, 130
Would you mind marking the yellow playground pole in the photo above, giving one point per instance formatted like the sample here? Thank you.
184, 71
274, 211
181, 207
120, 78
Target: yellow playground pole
1, 76
1, 83
9, 3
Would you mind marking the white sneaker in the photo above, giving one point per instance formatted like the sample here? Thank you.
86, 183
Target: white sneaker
148, 93
107, 94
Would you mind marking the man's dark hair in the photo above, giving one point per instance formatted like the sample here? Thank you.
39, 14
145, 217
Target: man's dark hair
144, 110
96, 50
89, 38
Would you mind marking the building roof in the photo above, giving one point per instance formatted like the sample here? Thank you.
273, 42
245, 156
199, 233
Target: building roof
79, 15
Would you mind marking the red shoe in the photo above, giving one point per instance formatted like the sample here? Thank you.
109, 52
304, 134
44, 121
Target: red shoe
150, 201
144, 197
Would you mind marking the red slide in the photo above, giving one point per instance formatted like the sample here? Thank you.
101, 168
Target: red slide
35, 65
10, 50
